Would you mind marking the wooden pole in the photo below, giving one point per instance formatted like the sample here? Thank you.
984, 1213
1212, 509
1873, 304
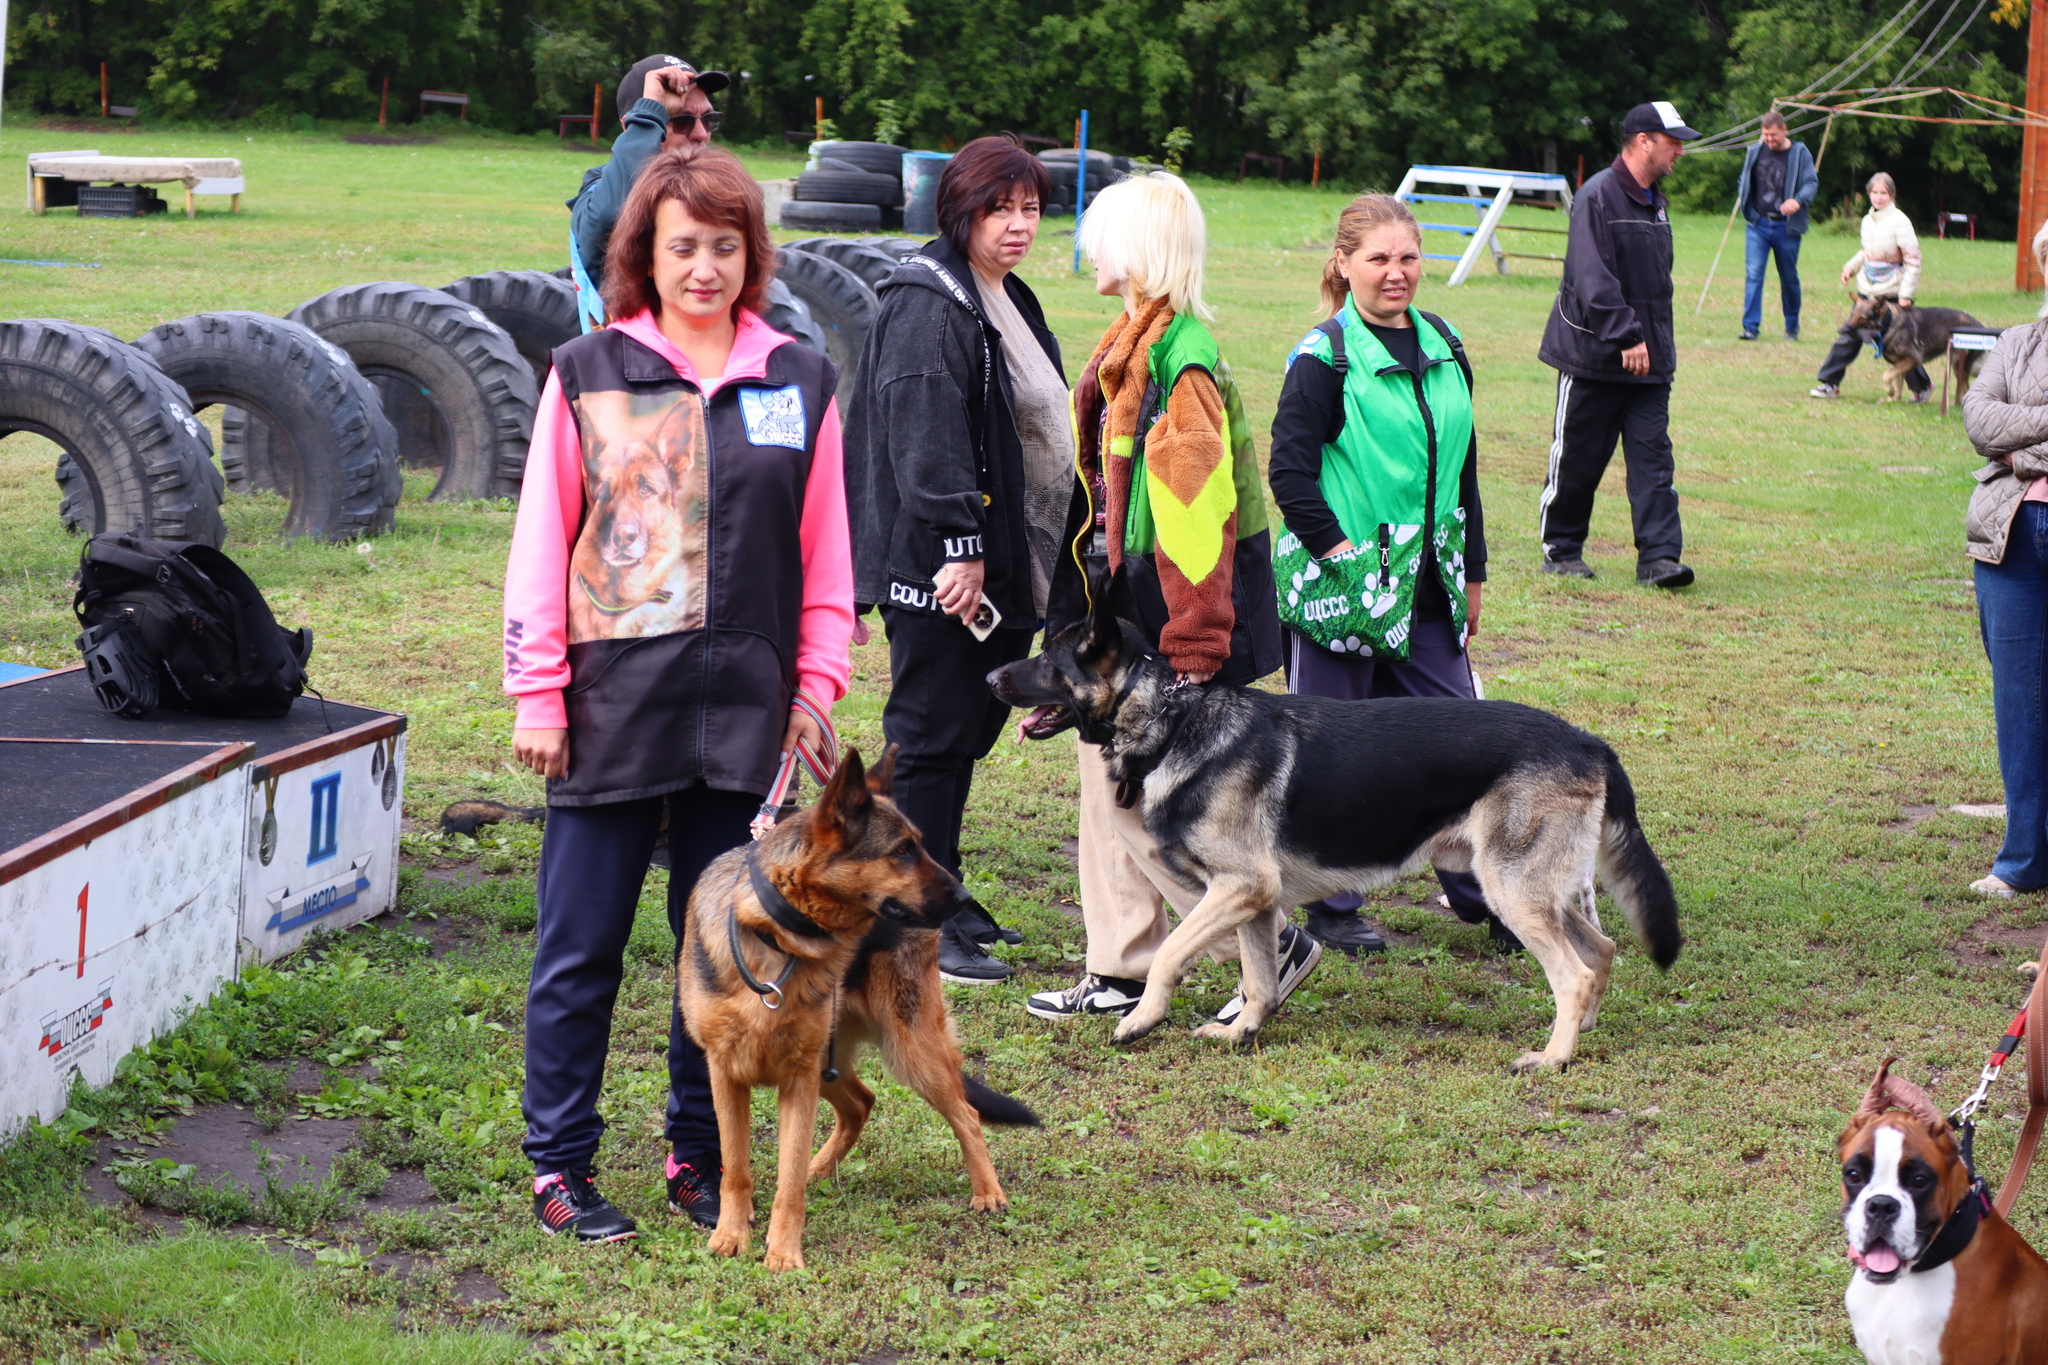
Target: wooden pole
1827, 131
103, 90
596, 109
2033, 151
1717, 258
1315, 177
383, 104
818, 117
1580, 183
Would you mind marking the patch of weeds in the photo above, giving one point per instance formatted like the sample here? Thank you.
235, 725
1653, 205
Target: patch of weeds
303, 1206
161, 1183
1278, 1230
406, 1231
1282, 1106
360, 1173
1214, 1152
1207, 1285
391, 1144
629, 1339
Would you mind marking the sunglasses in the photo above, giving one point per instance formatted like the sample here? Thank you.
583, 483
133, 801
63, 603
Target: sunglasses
683, 123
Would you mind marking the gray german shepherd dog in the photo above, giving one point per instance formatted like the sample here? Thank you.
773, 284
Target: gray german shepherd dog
1267, 801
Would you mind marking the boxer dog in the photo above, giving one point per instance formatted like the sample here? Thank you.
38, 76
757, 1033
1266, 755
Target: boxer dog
1940, 1278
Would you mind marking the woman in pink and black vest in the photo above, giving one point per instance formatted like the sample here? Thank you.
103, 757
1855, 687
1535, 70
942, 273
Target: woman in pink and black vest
680, 572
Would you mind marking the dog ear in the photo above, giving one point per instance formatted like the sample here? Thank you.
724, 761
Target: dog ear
883, 778
846, 803
1888, 1092
1106, 632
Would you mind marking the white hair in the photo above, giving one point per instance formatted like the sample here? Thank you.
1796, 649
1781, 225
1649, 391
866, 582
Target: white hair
1148, 230
2041, 259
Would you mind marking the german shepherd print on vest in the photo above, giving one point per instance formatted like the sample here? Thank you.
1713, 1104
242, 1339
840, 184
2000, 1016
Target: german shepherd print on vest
638, 565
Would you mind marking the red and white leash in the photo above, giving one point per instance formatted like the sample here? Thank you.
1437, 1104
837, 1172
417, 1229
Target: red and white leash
822, 765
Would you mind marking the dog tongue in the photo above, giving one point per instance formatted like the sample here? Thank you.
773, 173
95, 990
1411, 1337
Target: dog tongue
1881, 1259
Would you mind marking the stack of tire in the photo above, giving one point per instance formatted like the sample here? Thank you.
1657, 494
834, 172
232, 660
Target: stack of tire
1063, 165
853, 187
835, 279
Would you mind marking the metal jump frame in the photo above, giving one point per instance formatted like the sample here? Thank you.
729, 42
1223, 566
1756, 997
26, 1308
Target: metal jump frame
1489, 208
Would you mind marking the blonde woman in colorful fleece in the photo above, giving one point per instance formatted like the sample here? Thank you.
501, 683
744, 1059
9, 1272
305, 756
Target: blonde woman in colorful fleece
1171, 494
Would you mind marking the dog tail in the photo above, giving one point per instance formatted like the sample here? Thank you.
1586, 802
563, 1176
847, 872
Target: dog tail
1630, 871
997, 1108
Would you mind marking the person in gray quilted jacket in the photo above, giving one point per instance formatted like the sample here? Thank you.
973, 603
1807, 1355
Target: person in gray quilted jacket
2005, 414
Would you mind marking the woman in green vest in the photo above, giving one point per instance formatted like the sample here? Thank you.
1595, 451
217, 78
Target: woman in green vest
1375, 469
1170, 492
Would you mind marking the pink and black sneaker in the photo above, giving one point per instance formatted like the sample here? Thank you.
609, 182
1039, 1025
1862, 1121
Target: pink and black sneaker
567, 1201
692, 1192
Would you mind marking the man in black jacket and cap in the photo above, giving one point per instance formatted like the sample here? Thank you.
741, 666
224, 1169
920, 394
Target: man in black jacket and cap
1610, 340
664, 104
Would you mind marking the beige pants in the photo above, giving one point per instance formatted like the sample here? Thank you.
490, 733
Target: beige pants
1125, 886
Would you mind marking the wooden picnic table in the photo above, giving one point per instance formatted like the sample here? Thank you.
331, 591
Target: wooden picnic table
198, 174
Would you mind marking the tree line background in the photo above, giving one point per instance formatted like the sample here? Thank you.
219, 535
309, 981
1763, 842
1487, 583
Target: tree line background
1528, 84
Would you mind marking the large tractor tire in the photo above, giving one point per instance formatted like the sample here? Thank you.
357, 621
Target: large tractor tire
875, 158
796, 213
788, 314
134, 459
842, 306
858, 254
326, 444
536, 309
453, 383
849, 187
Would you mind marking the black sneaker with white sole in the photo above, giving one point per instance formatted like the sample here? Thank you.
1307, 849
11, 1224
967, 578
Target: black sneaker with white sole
692, 1191
1344, 930
1092, 994
964, 962
567, 1202
1299, 955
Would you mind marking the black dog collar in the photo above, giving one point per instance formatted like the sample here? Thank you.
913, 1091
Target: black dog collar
778, 907
1956, 1233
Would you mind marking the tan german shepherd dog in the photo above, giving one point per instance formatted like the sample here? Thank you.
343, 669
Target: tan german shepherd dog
799, 951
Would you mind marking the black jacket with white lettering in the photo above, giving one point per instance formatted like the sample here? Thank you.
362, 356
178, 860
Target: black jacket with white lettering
934, 466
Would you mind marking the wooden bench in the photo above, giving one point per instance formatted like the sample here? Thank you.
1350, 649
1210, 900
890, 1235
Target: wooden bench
562, 122
1250, 159
461, 102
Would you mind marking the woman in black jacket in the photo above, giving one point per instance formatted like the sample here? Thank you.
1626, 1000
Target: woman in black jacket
960, 475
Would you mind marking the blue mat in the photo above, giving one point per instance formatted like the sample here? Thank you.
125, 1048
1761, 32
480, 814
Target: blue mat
12, 672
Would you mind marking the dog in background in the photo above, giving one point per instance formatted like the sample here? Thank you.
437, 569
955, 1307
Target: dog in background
1940, 1278
798, 952
1268, 801
1910, 337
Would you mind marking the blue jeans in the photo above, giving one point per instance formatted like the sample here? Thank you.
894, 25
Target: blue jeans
2012, 612
1764, 240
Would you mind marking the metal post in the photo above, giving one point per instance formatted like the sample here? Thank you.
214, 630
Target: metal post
1081, 180
2033, 151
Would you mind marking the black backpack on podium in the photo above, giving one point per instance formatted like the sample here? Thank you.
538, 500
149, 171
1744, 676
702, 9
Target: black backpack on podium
178, 624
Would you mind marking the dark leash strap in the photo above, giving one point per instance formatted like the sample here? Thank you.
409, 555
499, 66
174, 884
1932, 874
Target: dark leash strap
796, 922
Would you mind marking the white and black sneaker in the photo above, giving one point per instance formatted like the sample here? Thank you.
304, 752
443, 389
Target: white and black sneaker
1092, 994
1299, 955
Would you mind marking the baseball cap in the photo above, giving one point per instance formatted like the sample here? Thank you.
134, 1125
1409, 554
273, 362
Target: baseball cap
1656, 117
710, 82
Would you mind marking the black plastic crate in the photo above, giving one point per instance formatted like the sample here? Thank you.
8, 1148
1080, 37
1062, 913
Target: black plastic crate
119, 201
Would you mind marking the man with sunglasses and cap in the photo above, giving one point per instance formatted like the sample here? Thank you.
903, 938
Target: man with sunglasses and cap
664, 105
1611, 342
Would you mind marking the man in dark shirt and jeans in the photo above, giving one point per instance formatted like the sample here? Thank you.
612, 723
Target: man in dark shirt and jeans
1778, 181
664, 104
1610, 340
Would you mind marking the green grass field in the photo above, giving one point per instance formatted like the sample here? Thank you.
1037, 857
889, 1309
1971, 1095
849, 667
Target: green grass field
1371, 1185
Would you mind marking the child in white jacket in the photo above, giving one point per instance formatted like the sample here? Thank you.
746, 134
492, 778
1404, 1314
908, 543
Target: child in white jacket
1888, 267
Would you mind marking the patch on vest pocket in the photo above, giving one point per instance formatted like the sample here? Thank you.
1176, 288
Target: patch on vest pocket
774, 417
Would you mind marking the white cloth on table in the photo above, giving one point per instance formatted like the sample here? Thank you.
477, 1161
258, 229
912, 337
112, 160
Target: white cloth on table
137, 170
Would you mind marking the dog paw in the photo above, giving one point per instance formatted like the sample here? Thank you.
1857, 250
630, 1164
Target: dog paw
728, 1243
1133, 1028
1537, 1061
784, 1260
989, 1203
1230, 1035
821, 1169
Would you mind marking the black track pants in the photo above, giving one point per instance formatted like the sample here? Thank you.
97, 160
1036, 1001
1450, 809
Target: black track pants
943, 716
593, 860
1591, 415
